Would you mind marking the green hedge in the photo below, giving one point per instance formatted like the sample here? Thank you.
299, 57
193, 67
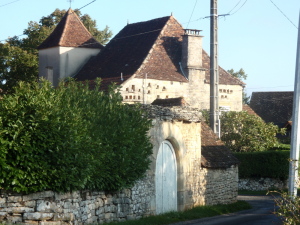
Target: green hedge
272, 164
70, 138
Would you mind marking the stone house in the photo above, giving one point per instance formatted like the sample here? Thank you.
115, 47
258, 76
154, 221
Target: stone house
155, 59
153, 62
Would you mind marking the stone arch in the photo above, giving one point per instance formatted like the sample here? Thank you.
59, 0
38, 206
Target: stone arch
170, 132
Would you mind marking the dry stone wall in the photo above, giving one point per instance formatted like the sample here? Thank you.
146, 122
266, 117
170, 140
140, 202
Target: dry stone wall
259, 184
79, 207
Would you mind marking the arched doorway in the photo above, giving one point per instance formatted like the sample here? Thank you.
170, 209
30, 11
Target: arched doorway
166, 179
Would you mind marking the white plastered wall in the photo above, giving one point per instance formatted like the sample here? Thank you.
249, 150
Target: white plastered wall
65, 61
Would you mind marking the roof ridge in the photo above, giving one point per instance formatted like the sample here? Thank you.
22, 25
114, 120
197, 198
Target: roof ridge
66, 24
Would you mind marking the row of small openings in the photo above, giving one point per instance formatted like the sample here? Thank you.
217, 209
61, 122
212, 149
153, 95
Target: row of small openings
132, 89
225, 91
158, 96
157, 86
132, 97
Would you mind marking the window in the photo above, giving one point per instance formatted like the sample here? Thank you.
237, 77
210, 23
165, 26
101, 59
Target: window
167, 96
149, 92
139, 97
133, 87
49, 71
157, 96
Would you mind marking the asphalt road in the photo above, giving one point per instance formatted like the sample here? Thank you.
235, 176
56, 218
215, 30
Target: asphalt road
262, 213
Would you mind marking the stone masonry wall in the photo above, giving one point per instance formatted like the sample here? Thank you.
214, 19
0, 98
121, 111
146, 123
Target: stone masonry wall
218, 186
259, 184
79, 207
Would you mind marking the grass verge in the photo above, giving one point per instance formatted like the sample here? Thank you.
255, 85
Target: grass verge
191, 214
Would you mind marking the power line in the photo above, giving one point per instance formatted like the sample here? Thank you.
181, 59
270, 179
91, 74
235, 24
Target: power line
283, 14
234, 7
238, 8
192, 13
9, 3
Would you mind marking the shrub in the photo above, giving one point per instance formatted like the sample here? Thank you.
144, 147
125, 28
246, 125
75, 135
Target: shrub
267, 164
70, 138
242, 132
289, 209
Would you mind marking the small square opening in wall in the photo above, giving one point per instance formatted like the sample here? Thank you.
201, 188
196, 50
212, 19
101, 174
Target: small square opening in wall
130, 97
139, 90
149, 85
157, 96
134, 97
126, 89
220, 90
149, 92
164, 89
157, 87
126, 97
133, 87
167, 96
139, 97
231, 91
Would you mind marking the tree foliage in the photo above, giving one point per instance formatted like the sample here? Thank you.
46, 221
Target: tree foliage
70, 138
243, 132
241, 74
19, 56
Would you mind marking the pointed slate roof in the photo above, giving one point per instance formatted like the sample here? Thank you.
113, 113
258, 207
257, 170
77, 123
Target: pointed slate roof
70, 32
152, 47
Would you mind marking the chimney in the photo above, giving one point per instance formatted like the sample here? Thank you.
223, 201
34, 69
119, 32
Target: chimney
191, 50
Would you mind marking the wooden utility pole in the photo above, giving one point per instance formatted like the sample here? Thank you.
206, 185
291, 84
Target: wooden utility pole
295, 140
214, 69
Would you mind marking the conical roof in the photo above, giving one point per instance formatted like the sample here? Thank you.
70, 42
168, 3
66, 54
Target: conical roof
70, 32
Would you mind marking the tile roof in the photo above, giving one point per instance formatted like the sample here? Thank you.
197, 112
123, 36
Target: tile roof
70, 32
273, 107
224, 76
152, 47
249, 110
214, 153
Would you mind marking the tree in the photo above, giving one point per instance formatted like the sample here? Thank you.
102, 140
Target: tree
242, 76
70, 138
242, 132
19, 56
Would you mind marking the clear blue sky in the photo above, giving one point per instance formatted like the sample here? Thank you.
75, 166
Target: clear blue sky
256, 37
